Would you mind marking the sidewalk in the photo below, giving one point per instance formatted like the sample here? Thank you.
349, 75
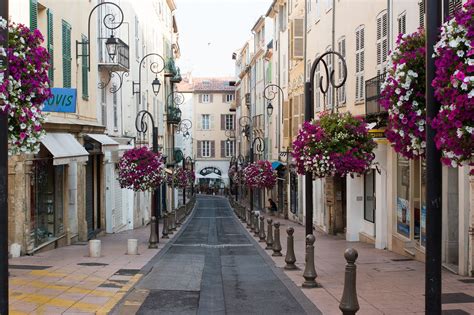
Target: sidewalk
66, 281
387, 283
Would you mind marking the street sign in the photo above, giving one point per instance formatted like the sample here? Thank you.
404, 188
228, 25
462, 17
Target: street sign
62, 101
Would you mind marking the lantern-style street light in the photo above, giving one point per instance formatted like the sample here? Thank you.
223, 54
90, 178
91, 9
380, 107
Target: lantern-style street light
156, 68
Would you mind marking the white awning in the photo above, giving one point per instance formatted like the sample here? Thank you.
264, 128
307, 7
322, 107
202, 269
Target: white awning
107, 143
64, 148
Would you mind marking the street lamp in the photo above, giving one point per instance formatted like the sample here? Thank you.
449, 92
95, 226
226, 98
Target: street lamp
142, 127
309, 115
156, 68
111, 43
269, 109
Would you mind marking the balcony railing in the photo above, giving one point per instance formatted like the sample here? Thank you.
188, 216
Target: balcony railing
121, 61
177, 77
170, 68
173, 115
173, 155
372, 95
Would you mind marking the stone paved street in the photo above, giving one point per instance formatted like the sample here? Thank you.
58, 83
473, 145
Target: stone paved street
214, 267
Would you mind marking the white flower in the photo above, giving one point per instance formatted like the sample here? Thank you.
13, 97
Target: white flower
460, 53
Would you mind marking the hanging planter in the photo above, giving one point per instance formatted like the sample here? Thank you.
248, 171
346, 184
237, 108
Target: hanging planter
141, 169
259, 175
334, 145
403, 95
25, 90
454, 88
181, 178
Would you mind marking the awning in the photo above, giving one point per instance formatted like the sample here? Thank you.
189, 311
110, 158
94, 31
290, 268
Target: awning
276, 164
107, 143
64, 148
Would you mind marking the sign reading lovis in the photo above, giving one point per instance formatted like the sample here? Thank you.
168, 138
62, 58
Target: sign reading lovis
62, 101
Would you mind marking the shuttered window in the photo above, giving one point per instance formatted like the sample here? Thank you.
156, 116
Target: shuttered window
50, 46
421, 10
205, 148
286, 123
360, 63
85, 72
402, 23
341, 92
205, 122
382, 42
66, 32
453, 6
297, 39
227, 121
33, 14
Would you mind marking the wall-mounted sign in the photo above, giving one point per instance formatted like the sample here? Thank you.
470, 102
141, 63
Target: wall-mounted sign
377, 133
62, 101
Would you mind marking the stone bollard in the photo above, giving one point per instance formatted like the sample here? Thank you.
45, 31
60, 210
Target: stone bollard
165, 226
269, 234
252, 221
309, 270
173, 215
349, 304
290, 257
276, 247
94, 248
256, 227
179, 217
262, 235
248, 217
170, 223
132, 247
153, 241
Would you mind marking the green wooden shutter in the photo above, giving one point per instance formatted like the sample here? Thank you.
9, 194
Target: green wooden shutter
33, 14
66, 29
50, 47
85, 71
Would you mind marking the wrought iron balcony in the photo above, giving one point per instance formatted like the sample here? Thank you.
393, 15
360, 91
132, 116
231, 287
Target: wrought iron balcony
170, 68
121, 61
372, 95
173, 115
177, 77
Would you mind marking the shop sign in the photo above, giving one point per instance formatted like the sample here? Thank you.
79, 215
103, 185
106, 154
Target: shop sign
403, 217
63, 100
377, 133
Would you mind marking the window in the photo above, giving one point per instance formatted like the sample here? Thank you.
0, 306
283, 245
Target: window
50, 44
229, 98
229, 148
114, 97
341, 92
66, 32
382, 42
228, 122
206, 148
297, 39
403, 196
33, 14
206, 98
206, 122
369, 196
402, 23
421, 10
85, 71
360, 60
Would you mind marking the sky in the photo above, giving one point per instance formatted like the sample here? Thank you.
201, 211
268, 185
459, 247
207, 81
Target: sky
211, 30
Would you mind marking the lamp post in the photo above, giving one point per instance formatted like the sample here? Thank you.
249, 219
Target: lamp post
155, 68
269, 93
4, 171
110, 23
142, 127
324, 83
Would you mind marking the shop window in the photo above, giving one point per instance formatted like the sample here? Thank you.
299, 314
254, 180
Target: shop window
47, 189
403, 196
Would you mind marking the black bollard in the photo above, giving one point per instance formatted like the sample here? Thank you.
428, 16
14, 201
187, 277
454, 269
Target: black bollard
256, 226
269, 234
248, 218
276, 247
349, 304
153, 242
290, 257
262, 235
309, 270
165, 226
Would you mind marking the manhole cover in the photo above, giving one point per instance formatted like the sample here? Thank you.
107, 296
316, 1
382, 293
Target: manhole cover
92, 264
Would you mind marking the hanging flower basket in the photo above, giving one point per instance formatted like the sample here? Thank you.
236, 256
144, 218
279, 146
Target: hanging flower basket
141, 169
334, 145
454, 88
181, 178
259, 175
403, 95
23, 93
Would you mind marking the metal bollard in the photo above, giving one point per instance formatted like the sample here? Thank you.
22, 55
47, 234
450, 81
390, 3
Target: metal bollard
165, 226
290, 257
349, 304
276, 247
309, 270
256, 226
269, 234
262, 235
252, 221
247, 217
153, 241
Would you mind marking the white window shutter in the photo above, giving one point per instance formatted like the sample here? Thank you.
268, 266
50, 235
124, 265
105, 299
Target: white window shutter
211, 121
